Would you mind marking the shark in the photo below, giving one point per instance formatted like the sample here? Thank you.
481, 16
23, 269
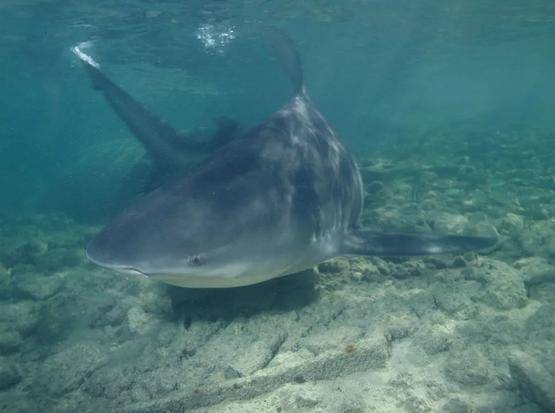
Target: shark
275, 199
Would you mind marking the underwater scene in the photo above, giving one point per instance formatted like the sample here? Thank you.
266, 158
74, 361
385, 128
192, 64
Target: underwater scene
277, 206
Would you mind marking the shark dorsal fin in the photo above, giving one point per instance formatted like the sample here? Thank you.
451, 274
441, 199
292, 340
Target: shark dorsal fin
287, 54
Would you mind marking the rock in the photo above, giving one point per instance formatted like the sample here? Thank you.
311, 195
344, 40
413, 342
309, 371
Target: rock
371, 353
456, 406
447, 223
67, 370
59, 258
459, 262
416, 404
299, 399
408, 269
438, 263
39, 287
30, 252
434, 339
139, 321
399, 326
107, 311
541, 325
363, 269
10, 340
504, 287
375, 187
22, 316
311, 397
421, 302
112, 380
336, 338
538, 238
468, 367
536, 382
334, 266
511, 224
258, 355
536, 270
367, 353
457, 302
9, 375
351, 406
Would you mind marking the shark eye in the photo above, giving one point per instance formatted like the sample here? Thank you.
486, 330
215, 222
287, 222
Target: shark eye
194, 260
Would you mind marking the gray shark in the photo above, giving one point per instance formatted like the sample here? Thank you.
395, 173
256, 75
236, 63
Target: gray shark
280, 198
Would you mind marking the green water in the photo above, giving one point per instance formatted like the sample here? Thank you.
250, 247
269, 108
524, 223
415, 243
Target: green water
448, 107
382, 72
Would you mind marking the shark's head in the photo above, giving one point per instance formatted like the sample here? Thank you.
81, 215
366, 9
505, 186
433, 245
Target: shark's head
205, 231
131, 249
200, 247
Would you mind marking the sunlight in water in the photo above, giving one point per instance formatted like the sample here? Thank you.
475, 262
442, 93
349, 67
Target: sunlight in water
215, 38
77, 50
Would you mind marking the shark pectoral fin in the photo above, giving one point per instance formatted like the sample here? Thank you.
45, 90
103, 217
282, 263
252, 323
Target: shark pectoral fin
365, 242
167, 147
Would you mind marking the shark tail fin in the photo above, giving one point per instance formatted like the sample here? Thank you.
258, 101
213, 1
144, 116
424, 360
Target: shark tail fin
366, 242
287, 54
